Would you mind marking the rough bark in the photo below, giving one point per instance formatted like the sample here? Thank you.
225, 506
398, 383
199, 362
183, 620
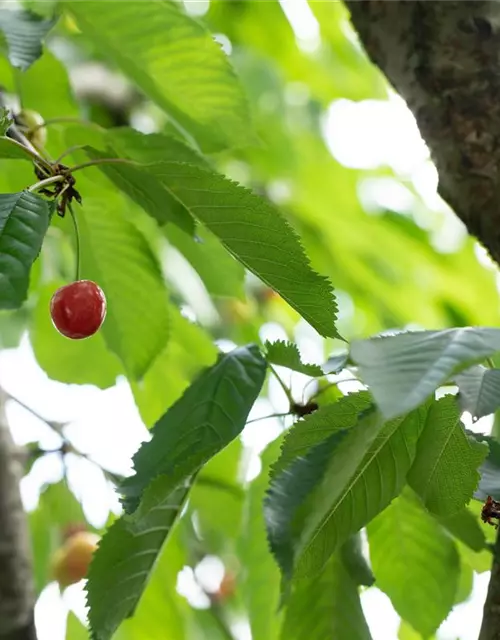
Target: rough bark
443, 59
16, 582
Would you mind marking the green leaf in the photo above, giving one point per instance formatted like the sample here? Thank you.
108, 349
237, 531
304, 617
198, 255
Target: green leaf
175, 62
126, 556
117, 256
416, 564
24, 220
209, 415
444, 473
489, 483
466, 527
261, 576
326, 606
286, 354
24, 32
257, 235
318, 426
10, 150
222, 275
355, 563
284, 502
403, 370
148, 192
70, 361
364, 475
479, 390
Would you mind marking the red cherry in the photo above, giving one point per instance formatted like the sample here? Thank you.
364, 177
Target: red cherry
78, 309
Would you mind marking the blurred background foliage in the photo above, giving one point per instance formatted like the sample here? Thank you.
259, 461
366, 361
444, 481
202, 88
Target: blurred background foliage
365, 205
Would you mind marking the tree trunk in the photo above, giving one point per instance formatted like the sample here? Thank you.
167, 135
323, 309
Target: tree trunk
16, 581
442, 58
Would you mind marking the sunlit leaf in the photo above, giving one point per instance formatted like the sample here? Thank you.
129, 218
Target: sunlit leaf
70, 361
403, 370
24, 220
467, 528
416, 564
286, 354
445, 470
176, 62
116, 256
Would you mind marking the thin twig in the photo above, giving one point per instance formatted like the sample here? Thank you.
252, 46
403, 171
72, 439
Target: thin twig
282, 385
272, 415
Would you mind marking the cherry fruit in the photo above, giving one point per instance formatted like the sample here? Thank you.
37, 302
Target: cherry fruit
71, 562
78, 309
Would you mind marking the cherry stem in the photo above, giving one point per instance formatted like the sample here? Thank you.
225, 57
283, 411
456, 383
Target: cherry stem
77, 240
44, 183
283, 385
92, 163
75, 147
272, 415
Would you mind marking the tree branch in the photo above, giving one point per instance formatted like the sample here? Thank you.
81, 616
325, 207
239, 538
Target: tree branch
16, 582
490, 627
442, 57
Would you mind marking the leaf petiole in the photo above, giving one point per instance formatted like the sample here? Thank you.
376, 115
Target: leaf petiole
92, 163
44, 183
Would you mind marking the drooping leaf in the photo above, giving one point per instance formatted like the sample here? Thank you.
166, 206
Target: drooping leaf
209, 415
24, 220
479, 390
355, 562
318, 426
362, 478
403, 370
24, 32
257, 235
118, 257
416, 564
70, 361
126, 556
326, 606
286, 354
146, 191
445, 471
250, 228
177, 64
261, 576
